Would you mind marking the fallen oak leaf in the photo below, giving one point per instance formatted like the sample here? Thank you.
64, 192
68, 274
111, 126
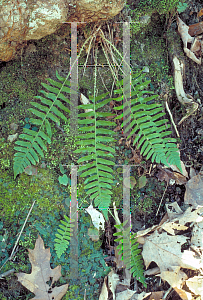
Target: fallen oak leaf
41, 273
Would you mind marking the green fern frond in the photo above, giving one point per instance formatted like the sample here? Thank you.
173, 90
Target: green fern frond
97, 155
143, 119
32, 143
63, 236
129, 247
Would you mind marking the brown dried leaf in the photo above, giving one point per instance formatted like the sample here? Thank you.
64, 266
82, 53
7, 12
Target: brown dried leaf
195, 29
194, 191
165, 174
136, 158
41, 273
165, 251
156, 295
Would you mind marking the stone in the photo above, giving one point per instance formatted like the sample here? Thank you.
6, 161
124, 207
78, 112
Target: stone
24, 20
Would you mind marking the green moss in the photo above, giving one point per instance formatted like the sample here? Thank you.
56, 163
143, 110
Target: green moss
17, 83
17, 196
148, 8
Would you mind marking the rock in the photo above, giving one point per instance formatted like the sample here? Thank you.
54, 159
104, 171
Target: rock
25, 20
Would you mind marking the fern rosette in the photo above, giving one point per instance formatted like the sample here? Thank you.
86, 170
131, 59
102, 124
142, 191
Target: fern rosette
96, 154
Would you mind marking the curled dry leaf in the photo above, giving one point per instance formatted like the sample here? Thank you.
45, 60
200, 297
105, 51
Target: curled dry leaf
41, 273
165, 174
187, 38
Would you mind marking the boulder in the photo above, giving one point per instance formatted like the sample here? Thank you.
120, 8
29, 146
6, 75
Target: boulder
25, 20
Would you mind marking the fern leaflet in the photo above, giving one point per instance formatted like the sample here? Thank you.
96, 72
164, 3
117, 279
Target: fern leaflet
143, 118
63, 236
95, 153
129, 247
32, 143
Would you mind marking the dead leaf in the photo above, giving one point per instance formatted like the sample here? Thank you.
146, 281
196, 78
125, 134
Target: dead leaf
172, 227
173, 210
125, 295
130, 183
13, 126
136, 158
165, 251
197, 236
142, 181
104, 291
183, 29
200, 13
12, 137
192, 172
96, 216
195, 284
175, 168
113, 280
41, 273
167, 175
194, 191
31, 170
93, 234
183, 294
195, 29
156, 295
175, 278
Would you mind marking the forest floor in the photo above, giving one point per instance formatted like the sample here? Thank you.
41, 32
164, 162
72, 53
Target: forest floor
152, 187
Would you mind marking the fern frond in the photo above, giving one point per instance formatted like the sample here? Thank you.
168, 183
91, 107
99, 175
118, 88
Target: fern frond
63, 236
32, 143
143, 119
129, 247
96, 154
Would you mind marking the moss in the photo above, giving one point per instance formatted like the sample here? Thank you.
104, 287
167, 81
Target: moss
148, 8
17, 196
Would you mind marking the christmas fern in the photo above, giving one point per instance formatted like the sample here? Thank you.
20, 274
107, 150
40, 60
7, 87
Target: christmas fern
63, 236
96, 153
143, 119
32, 144
129, 248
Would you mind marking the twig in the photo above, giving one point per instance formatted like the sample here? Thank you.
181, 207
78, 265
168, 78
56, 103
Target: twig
171, 117
22, 230
12, 253
167, 293
162, 199
7, 273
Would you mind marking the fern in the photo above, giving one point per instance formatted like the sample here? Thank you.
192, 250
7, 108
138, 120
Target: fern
32, 143
63, 236
129, 248
96, 154
151, 131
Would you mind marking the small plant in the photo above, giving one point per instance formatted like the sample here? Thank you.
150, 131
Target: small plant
181, 7
63, 236
128, 247
63, 179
